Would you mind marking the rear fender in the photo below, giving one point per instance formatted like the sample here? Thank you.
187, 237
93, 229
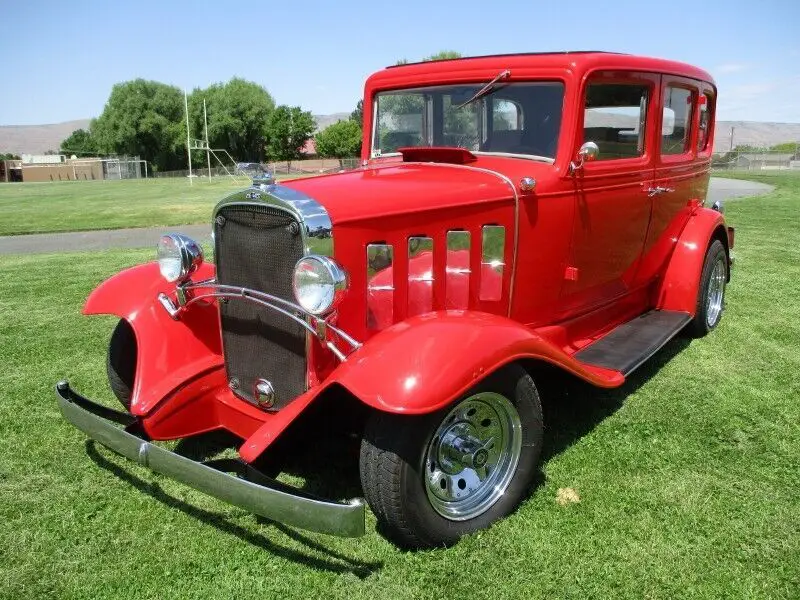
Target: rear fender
171, 354
681, 282
426, 362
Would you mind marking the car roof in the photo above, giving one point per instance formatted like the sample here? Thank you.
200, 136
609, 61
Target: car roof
577, 63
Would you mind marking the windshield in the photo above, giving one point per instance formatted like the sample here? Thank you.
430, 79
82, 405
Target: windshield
515, 118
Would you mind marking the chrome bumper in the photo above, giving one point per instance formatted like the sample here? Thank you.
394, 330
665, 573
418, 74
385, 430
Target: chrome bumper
267, 498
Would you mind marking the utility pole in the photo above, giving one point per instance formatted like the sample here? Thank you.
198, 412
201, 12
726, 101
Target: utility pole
188, 141
732, 129
208, 151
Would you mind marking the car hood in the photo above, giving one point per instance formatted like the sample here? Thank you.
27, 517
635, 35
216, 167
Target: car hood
402, 188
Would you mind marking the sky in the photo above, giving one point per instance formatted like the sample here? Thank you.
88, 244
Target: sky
61, 58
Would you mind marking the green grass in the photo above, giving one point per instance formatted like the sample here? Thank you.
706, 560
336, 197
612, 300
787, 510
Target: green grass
688, 476
87, 205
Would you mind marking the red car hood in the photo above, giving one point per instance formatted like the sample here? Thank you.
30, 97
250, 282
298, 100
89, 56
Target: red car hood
401, 188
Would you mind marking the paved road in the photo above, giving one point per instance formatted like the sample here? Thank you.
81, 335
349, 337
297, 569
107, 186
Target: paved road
720, 189
724, 189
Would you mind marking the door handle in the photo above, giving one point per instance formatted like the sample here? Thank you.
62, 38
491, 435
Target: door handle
655, 191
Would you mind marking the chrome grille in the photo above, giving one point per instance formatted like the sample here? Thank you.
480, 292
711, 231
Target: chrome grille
257, 247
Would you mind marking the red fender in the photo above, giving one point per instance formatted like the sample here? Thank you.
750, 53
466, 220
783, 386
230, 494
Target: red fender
170, 353
679, 287
426, 362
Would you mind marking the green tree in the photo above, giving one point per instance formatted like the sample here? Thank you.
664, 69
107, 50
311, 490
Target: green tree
81, 143
443, 55
9, 156
340, 140
238, 112
358, 113
144, 118
791, 147
288, 129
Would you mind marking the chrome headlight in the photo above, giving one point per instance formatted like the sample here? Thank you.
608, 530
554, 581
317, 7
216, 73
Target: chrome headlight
319, 283
178, 257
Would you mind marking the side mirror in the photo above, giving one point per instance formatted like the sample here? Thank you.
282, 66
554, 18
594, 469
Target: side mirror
589, 151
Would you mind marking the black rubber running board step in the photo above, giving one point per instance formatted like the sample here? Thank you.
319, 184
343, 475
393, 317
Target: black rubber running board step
626, 347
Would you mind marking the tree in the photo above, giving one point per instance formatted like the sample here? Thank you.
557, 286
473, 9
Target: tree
238, 112
9, 156
288, 129
443, 55
144, 118
340, 140
81, 143
788, 147
358, 114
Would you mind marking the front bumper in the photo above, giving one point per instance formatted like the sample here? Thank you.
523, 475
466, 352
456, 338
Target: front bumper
268, 498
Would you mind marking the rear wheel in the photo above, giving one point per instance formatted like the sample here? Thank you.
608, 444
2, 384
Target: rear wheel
121, 362
711, 295
433, 478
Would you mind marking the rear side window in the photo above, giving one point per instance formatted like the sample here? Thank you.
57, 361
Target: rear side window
614, 118
706, 111
676, 124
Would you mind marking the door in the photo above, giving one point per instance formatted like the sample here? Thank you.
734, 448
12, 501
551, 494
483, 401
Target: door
611, 192
681, 177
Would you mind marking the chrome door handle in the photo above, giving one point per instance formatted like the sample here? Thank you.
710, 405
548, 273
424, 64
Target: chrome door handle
655, 191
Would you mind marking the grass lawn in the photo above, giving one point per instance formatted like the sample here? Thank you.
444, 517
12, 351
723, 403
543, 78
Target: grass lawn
688, 476
85, 205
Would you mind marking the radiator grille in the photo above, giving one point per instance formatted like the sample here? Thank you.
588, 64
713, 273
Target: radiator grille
257, 247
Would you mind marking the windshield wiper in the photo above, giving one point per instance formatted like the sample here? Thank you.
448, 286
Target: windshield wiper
487, 89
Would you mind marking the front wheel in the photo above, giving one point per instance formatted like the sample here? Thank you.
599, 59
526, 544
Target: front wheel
433, 478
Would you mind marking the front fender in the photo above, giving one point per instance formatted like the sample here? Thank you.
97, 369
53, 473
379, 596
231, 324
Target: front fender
680, 286
171, 354
426, 362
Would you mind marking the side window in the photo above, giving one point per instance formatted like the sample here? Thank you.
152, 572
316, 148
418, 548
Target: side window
706, 112
506, 116
677, 120
614, 118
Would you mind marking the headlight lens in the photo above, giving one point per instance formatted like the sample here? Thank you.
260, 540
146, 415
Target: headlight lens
178, 257
319, 283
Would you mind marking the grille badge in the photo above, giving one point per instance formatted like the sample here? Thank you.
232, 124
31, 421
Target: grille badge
233, 383
264, 393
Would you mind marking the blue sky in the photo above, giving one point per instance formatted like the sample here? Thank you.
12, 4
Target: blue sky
60, 59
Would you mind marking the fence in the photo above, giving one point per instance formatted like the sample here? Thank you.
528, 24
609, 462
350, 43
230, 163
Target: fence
763, 162
296, 167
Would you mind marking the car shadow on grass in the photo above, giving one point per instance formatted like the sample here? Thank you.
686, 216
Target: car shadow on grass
335, 562
573, 408
321, 454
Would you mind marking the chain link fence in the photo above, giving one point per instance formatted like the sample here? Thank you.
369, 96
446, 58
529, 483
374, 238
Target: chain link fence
295, 167
763, 162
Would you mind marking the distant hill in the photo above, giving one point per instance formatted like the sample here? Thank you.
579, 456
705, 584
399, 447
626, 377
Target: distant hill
324, 120
38, 139
754, 133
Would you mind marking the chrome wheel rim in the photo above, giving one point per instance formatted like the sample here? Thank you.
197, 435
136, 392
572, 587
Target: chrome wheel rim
716, 293
473, 455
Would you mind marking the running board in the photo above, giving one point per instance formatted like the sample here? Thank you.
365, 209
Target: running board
629, 345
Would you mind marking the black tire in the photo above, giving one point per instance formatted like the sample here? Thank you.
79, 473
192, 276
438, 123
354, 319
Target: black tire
395, 455
121, 362
708, 313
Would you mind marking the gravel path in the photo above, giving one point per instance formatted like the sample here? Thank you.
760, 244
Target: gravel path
720, 189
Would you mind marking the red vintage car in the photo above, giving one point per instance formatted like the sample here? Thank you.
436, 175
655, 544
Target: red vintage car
510, 211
